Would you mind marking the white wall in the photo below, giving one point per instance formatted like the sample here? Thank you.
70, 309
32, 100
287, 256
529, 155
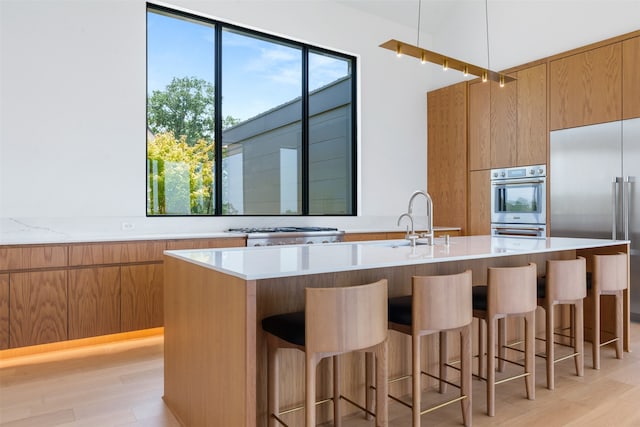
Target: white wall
72, 105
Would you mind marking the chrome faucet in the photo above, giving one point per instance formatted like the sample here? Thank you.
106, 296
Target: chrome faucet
429, 233
411, 235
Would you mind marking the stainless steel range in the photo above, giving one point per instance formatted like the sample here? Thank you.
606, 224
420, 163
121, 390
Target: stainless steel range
272, 236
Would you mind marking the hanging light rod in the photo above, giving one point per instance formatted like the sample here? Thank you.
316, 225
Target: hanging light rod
424, 55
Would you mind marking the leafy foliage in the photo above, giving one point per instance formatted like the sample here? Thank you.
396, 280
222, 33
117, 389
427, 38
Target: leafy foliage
179, 172
185, 107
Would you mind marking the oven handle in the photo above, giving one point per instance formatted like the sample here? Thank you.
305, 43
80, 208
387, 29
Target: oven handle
525, 231
519, 182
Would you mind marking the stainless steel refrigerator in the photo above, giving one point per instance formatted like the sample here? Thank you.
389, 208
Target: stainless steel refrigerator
594, 173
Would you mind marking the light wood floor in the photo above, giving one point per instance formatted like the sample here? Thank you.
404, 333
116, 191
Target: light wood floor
121, 384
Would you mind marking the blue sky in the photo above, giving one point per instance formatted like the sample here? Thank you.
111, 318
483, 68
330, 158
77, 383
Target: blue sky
257, 74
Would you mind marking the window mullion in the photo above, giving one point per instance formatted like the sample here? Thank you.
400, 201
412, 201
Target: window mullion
218, 120
305, 130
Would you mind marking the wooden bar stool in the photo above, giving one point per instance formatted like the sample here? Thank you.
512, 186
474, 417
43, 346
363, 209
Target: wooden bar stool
439, 304
335, 321
609, 277
564, 283
510, 291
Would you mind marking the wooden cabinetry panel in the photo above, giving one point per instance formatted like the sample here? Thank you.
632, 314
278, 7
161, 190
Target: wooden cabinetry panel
532, 116
142, 297
503, 124
479, 126
94, 302
479, 202
24, 258
224, 242
38, 308
586, 88
447, 154
4, 311
115, 253
361, 237
631, 78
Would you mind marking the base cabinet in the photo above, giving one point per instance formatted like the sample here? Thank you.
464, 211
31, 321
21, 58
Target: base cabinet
142, 297
94, 302
4, 311
38, 307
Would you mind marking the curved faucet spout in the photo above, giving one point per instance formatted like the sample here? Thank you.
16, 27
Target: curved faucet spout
426, 195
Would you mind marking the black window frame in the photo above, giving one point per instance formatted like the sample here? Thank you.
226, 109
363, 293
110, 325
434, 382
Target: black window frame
306, 48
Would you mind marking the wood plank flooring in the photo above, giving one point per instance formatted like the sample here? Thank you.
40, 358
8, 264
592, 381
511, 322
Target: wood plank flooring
121, 384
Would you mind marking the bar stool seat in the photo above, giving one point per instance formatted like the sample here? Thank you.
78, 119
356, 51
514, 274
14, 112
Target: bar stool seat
609, 277
438, 304
564, 283
335, 321
510, 291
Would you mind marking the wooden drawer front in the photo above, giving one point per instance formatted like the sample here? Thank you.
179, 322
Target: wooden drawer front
142, 297
33, 257
38, 307
4, 311
358, 237
94, 302
116, 253
222, 242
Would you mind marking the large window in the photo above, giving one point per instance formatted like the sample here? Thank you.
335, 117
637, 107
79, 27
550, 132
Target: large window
245, 123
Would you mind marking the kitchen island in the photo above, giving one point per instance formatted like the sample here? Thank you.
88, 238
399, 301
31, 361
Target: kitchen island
215, 352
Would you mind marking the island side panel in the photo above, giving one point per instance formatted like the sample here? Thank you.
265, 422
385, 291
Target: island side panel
209, 360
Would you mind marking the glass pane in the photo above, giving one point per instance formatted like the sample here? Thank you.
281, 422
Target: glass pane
261, 139
180, 116
330, 135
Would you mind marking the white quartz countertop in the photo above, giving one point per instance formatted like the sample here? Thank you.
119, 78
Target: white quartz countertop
255, 263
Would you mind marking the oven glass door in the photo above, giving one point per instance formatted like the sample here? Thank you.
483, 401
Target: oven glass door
519, 201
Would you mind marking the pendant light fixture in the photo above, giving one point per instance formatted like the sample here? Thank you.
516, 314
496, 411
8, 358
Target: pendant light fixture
425, 55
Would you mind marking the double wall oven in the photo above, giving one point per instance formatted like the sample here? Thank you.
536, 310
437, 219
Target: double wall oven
519, 201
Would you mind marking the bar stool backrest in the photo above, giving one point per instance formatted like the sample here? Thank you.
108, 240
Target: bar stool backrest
566, 279
512, 290
442, 302
610, 272
344, 319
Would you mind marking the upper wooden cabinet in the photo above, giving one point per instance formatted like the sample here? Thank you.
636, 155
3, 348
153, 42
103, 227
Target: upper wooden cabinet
479, 126
531, 146
631, 78
586, 88
447, 154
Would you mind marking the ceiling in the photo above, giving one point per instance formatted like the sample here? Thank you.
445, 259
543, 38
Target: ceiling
520, 31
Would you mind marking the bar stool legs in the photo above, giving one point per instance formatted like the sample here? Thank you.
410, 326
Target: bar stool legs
609, 277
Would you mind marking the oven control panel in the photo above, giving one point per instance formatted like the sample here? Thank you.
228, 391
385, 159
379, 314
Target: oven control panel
519, 172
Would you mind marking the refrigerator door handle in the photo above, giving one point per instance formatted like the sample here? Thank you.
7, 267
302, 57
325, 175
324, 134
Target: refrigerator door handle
626, 203
615, 203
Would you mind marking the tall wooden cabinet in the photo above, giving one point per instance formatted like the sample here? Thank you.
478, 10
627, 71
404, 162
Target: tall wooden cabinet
631, 78
447, 154
479, 202
586, 88
503, 124
532, 130
479, 121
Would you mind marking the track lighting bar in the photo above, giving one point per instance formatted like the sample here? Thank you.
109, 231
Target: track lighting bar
401, 48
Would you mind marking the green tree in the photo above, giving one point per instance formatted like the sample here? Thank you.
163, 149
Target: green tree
185, 108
